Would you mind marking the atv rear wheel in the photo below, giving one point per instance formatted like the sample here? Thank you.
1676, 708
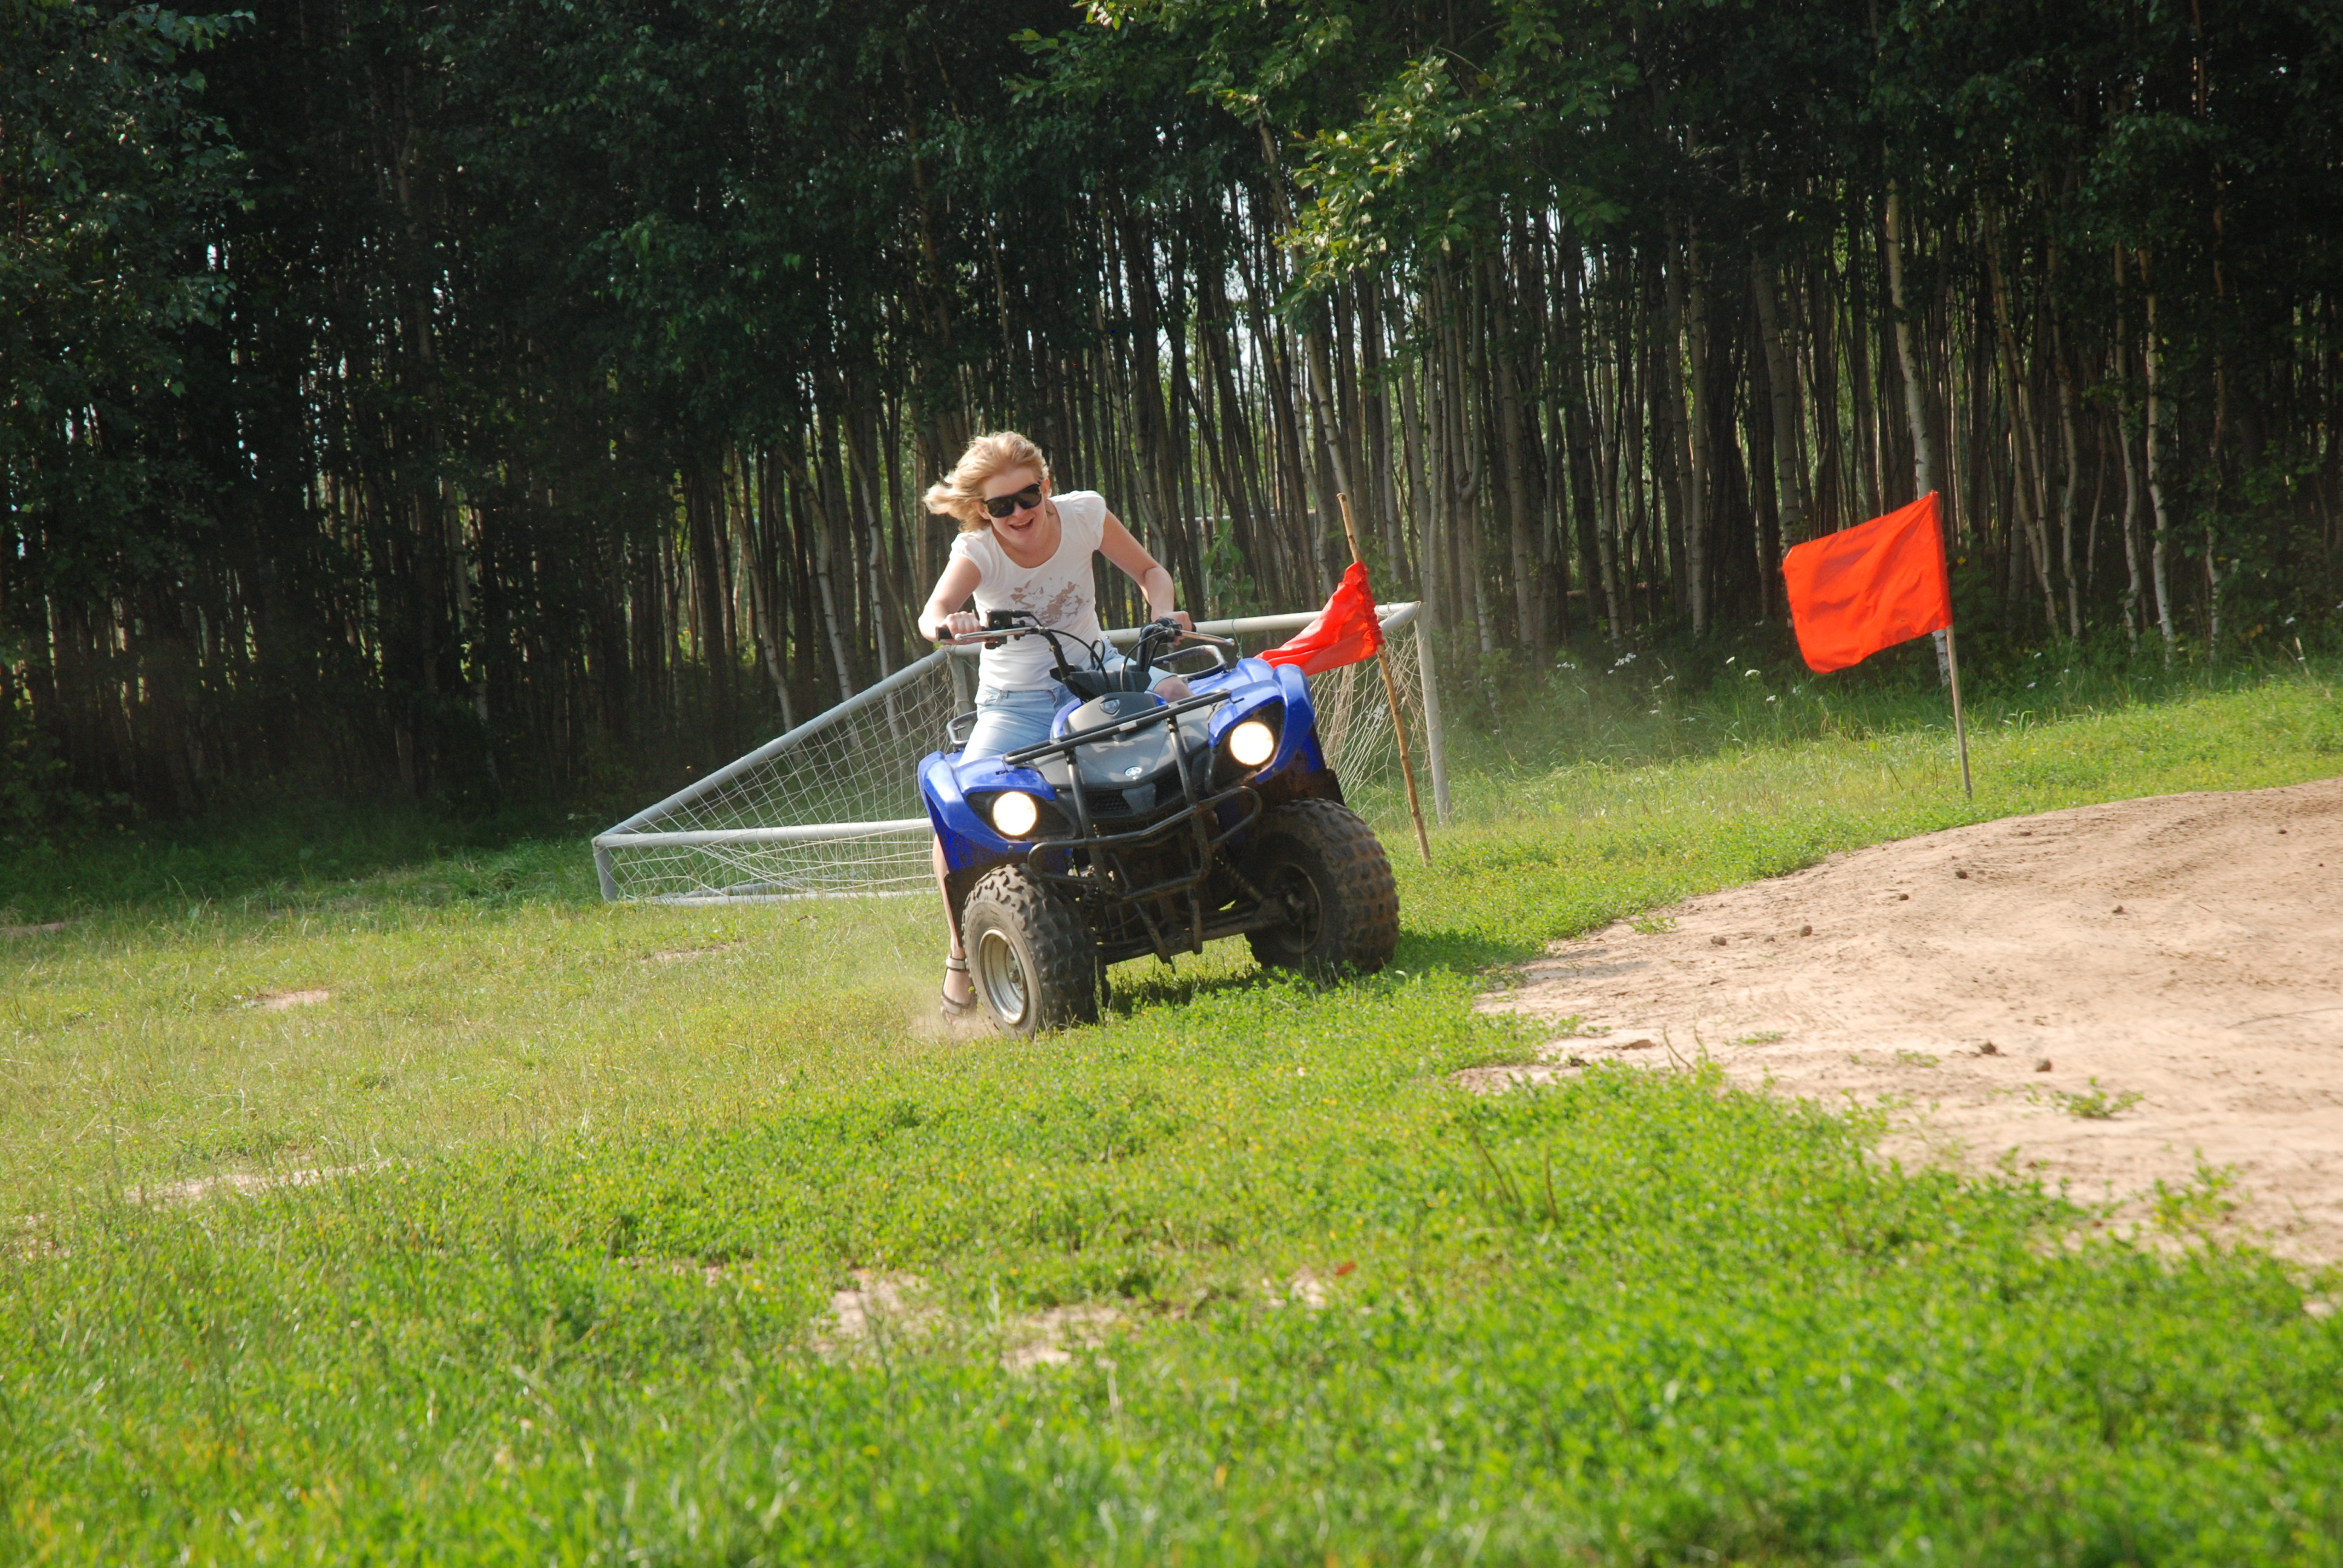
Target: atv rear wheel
1327, 869
1028, 954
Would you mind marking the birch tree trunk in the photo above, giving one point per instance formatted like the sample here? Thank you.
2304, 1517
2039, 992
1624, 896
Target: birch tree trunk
2031, 491
2073, 480
1697, 521
825, 585
1907, 359
1579, 443
1683, 437
1781, 374
1527, 624
1610, 413
1420, 504
2158, 557
1860, 387
2134, 595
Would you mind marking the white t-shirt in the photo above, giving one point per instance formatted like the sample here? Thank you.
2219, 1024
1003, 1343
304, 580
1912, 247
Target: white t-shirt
1061, 593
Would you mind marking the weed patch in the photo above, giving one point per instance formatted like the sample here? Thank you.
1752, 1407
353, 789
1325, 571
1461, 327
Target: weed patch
2094, 1103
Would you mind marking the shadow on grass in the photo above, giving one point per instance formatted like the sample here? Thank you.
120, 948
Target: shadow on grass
1168, 987
1464, 952
1420, 952
296, 852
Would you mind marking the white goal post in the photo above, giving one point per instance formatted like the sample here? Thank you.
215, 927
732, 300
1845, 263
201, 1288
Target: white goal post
832, 808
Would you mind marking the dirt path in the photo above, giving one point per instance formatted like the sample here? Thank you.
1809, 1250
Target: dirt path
2187, 951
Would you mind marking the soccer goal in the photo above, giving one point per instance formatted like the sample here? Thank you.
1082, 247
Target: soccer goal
832, 808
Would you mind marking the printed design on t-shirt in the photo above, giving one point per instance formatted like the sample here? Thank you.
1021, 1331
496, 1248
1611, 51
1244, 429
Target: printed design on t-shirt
1065, 607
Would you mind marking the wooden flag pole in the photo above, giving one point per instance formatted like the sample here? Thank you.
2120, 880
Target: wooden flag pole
1952, 655
1391, 695
1960, 724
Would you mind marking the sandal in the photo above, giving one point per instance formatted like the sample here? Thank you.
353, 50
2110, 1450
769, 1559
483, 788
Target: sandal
955, 1008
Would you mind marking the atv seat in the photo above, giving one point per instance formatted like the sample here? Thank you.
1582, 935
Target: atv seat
1091, 684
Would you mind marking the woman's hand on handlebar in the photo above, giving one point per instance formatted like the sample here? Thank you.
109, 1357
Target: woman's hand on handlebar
960, 623
1178, 617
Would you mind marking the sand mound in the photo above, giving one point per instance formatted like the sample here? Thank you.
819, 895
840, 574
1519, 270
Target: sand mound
2111, 992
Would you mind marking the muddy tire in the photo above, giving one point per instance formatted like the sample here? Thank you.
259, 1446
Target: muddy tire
1329, 871
1028, 954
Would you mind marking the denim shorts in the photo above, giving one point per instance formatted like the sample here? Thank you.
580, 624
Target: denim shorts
1006, 720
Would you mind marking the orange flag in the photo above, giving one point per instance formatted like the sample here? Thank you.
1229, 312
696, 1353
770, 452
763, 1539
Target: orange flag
1345, 631
1870, 586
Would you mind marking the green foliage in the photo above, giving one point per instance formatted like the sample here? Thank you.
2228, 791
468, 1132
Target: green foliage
599, 1171
508, 400
115, 186
116, 182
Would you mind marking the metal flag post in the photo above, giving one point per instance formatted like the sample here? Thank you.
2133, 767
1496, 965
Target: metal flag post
1391, 695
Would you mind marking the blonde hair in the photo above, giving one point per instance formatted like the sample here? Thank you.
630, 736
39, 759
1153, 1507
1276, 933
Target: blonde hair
961, 493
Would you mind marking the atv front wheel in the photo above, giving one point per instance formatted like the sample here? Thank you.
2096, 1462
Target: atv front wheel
1324, 871
1028, 954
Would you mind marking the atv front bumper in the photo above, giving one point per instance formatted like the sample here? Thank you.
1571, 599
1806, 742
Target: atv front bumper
1160, 873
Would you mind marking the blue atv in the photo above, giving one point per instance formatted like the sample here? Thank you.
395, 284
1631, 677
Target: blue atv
1143, 826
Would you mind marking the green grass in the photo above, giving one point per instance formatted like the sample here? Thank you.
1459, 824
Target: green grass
567, 1305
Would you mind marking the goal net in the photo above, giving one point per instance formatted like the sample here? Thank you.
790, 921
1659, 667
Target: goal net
832, 808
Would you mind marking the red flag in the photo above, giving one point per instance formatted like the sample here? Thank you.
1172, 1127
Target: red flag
1345, 631
1870, 586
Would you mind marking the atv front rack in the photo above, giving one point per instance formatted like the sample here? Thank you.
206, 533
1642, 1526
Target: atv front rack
1108, 874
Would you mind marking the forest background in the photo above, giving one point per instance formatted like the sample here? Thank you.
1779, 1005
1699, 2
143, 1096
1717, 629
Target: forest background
502, 400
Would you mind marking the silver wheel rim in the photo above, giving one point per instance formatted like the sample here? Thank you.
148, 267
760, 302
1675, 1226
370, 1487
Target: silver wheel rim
1000, 975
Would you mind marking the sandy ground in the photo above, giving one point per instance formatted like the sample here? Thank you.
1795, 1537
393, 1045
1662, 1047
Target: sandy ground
1989, 984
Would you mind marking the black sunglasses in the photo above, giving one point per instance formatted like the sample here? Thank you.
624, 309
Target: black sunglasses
1001, 505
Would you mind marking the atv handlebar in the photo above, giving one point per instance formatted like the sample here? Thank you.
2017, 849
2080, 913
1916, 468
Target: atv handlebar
994, 636
1001, 634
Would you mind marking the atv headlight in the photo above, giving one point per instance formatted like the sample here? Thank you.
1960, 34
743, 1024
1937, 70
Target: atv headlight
1014, 812
1252, 743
